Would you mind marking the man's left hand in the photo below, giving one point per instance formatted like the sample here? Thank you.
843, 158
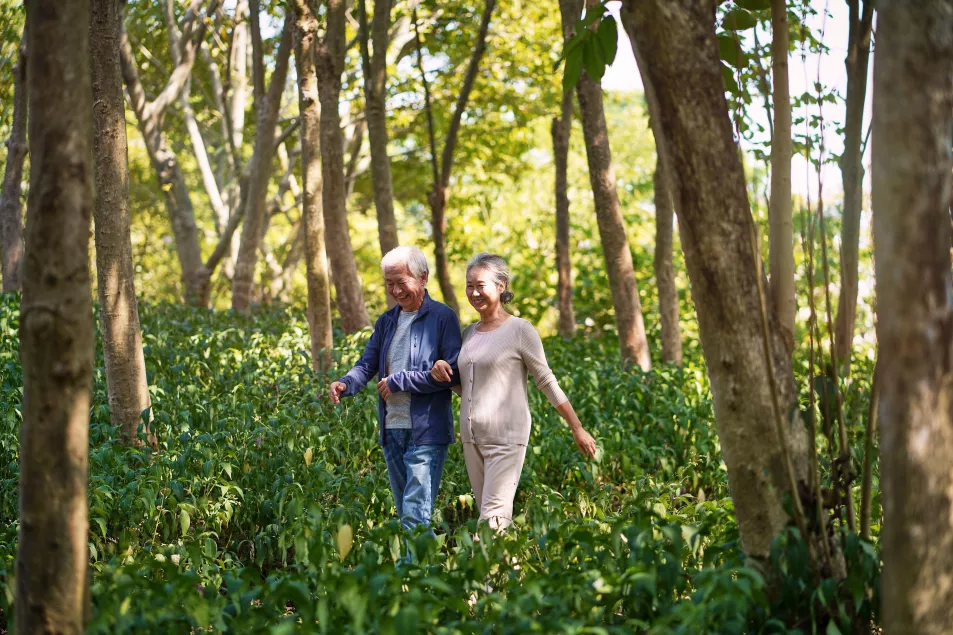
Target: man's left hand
383, 389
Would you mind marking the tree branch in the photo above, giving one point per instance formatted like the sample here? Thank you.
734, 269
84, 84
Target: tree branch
468, 82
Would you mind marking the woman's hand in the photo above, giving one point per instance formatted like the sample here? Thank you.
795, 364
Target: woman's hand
441, 371
585, 442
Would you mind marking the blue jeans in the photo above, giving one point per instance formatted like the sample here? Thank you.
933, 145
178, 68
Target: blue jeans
414, 472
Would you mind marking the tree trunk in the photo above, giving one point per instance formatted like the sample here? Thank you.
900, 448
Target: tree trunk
319, 288
852, 173
259, 170
330, 66
126, 381
375, 98
664, 269
780, 213
235, 109
765, 451
913, 101
561, 130
172, 183
666, 193
11, 225
633, 343
56, 324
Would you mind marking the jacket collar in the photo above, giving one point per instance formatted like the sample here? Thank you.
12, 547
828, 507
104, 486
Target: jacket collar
394, 312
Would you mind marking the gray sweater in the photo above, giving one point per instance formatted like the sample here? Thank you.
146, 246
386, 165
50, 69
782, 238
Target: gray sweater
493, 370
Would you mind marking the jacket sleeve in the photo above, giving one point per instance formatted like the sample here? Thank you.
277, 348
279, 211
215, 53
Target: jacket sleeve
448, 349
366, 367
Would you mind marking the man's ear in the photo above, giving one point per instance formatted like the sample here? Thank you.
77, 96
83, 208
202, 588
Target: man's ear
425, 277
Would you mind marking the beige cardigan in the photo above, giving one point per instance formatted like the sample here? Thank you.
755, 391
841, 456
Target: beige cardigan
494, 404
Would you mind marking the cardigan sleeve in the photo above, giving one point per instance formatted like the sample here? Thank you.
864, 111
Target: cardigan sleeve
534, 357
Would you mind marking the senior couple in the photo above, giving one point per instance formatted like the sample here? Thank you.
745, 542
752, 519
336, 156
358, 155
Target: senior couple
418, 355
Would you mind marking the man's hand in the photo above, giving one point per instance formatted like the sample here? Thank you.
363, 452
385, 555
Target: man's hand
383, 389
337, 389
441, 371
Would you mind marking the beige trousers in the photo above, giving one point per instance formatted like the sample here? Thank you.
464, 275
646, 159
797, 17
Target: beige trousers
494, 472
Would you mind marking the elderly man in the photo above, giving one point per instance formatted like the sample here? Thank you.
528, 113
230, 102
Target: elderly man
414, 410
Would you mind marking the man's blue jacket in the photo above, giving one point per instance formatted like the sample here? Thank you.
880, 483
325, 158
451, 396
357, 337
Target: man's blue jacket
434, 335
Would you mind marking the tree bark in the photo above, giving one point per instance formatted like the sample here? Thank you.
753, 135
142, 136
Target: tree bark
259, 169
56, 324
666, 193
633, 342
329, 67
11, 225
765, 450
319, 288
375, 98
171, 181
126, 382
665, 269
913, 102
561, 130
780, 211
852, 173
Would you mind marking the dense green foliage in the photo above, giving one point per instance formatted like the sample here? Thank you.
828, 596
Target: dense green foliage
267, 507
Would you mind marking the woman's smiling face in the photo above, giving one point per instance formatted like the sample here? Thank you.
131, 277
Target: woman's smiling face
482, 291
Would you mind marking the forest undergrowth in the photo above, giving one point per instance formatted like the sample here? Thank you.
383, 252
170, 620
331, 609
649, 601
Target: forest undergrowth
267, 509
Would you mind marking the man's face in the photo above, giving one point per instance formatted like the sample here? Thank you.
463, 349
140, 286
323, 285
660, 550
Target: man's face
407, 290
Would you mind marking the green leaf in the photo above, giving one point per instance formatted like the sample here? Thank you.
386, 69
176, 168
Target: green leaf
573, 70
184, 521
730, 51
608, 37
739, 20
730, 84
594, 60
832, 628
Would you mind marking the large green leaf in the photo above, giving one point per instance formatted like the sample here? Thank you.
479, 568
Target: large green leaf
573, 69
594, 59
730, 51
608, 38
739, 20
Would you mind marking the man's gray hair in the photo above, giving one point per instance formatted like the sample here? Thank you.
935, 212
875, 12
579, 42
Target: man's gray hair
410, 257
496, 267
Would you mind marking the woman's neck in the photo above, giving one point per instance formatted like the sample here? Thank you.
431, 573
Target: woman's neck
493, 316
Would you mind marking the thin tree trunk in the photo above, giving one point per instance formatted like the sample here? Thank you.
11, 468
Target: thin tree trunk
852, 173
172, 183
259, 169
665, 269
329, 67
375, 98
56, 324
666, 188
319, 287
633, 342
11, 225
561, 130
257, 54
913, 102
780, 211
766, 452
437, 198
235, 110
126, 381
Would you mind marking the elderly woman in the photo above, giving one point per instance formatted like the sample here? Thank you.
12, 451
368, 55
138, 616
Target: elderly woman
414, 410
497, 353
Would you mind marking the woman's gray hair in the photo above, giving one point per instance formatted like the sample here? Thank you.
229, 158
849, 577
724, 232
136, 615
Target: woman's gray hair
497, 268
411, 257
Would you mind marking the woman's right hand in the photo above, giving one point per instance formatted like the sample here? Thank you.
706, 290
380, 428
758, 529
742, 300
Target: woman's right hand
441, 371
